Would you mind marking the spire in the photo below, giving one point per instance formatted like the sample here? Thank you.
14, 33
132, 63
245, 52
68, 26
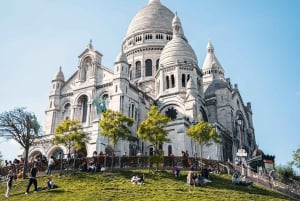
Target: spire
90, 45
154, 1
177, 28
211, 60
60, 75
210, 47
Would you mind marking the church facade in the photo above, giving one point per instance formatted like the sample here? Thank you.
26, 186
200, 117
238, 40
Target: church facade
158, 66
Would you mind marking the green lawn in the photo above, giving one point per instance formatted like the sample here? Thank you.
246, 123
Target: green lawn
116, 186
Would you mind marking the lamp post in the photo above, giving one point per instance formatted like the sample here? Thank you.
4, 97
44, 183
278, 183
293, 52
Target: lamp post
241, 152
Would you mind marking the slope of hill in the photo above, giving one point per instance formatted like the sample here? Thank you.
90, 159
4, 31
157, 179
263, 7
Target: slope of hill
117, 186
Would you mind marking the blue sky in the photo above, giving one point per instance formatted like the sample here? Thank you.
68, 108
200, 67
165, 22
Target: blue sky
256, 42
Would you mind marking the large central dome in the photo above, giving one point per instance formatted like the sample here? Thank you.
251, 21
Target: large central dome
153, 17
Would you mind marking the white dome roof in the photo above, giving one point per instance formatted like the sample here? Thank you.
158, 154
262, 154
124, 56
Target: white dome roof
121, 57
59, 76
211, 61
153, 17
178, 50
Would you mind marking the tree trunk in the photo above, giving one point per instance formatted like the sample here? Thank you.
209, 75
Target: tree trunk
25, 162
201, 149
113, 158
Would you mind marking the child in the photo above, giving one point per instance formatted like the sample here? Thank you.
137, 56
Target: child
9, 180
50, 183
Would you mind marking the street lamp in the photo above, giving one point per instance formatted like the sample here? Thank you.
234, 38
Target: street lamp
241, 152
239, 122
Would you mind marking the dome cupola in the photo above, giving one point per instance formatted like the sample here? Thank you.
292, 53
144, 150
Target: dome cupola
59, 76
178, 50
153, 17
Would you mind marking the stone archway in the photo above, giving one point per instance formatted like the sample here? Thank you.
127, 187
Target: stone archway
36, 156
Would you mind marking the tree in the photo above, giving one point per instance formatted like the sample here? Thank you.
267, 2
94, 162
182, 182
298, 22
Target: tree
203, 133
153, 130
70, 134
115, 126
296, 158
286, 171
21, 126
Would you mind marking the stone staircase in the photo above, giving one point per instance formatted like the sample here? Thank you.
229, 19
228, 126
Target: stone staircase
291, 188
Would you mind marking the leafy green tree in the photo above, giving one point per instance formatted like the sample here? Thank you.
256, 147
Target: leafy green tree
115, 126
286, 171
21, 126
296, 158
203, 133
70, 134
153, 130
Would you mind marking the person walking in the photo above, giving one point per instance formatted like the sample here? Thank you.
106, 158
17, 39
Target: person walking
32, 179
50, 165
9, 179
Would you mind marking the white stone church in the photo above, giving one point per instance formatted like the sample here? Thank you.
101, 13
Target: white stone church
158, 66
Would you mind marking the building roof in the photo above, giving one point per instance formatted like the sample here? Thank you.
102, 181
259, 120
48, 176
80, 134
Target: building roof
153, 17
257, 152
178, 50
211, 61
215, 85
59, 76
121, 57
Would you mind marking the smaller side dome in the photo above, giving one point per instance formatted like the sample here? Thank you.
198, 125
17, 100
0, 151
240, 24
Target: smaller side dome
59, 76
121, 57
215, 85
178, 50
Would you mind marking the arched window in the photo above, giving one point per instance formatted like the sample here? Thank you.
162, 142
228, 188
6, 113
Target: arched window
151, 151
132, 111
169, 150
167, 82
84, 106
172, 81
67, 111
83, 72
183, 80
157, 64
148, 67
130, 72
138, 69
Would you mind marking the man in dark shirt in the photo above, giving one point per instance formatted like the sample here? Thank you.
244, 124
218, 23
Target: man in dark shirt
32, 179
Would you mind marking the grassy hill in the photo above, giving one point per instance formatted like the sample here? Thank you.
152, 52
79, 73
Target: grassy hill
116, 186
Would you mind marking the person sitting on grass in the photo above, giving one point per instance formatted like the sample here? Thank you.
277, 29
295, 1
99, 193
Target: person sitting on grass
176, 171
235, 178
201, 180
50, 183
136, 179
190, 179
246, 181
